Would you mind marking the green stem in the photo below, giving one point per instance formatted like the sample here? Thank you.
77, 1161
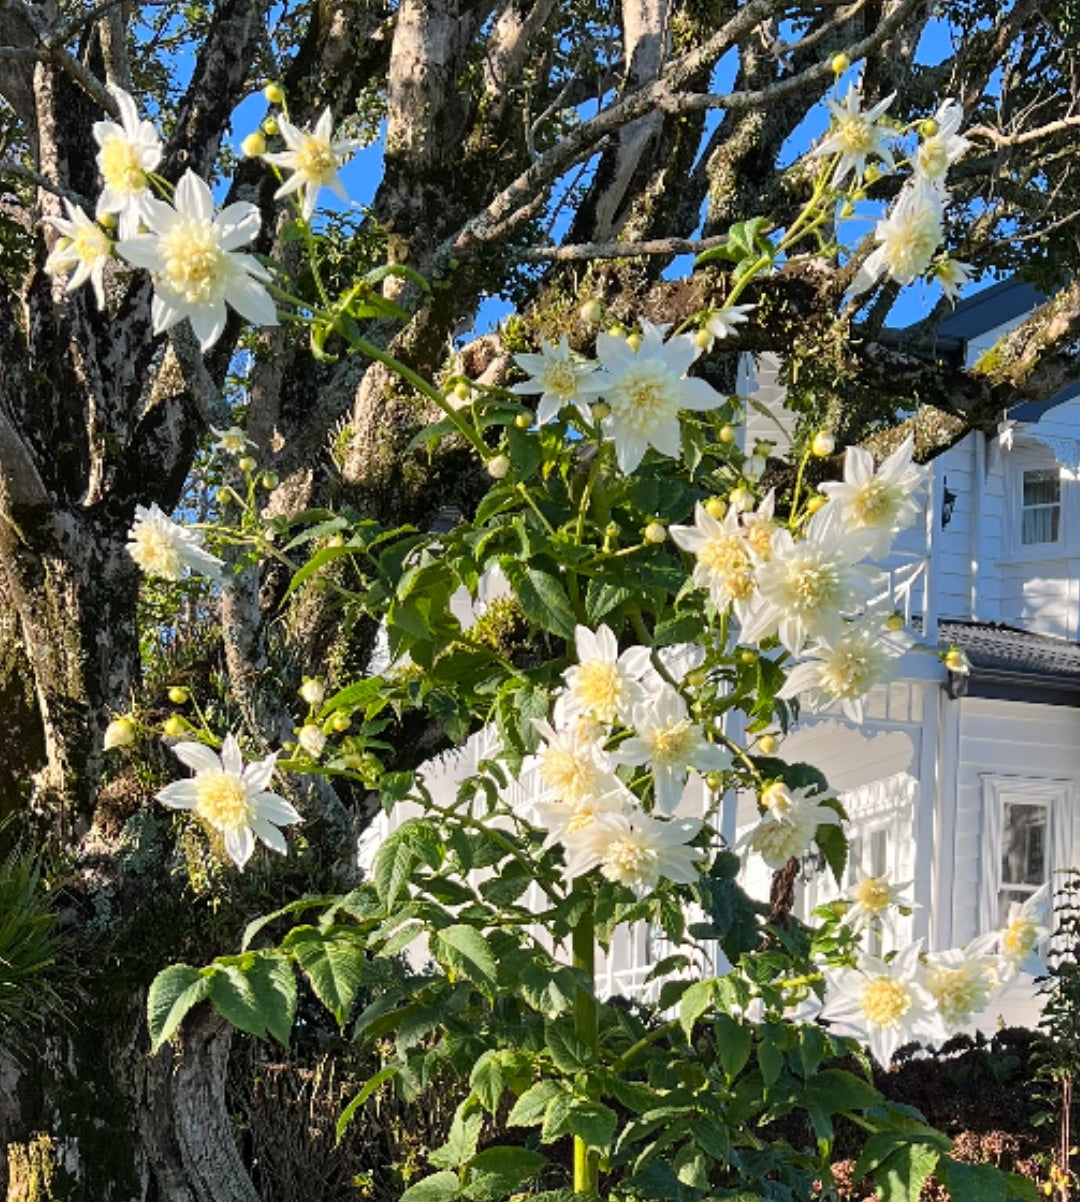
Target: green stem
583, 943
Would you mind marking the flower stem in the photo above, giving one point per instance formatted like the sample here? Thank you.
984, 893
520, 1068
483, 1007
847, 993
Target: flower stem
583, 942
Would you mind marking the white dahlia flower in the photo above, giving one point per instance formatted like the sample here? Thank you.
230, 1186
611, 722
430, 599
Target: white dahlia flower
83, 249
191, 252
645, 388
885, 501
724, 567
635, 850
162, 547
560, 379
670, 744
313, 157
855, 136
128, 153
888, 1005
908, 238
232, 798
603, 684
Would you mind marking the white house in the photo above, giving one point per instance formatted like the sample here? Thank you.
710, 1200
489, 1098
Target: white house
966, 785
984, 810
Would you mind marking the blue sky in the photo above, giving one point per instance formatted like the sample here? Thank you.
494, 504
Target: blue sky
362, 175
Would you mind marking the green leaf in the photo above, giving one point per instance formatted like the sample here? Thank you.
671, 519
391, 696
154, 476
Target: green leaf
733, 1041
601, 598
972, 1182
439, 1187
590, 1121
273, 987
487, 1080
394, 864
542, 597
902, 1175
370, 1086
530, 1108
770, 1058
497, 1172
317, 562
833, 843
834, 1090
1021, 1187
465, 949
693, 1004
569, 1053
525, 453
460, 1146
172, 994
334, 964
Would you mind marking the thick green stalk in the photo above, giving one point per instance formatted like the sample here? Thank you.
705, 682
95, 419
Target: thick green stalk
586, 1163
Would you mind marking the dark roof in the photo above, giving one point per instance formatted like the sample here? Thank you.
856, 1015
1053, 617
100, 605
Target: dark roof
1016, 665
1031, 411
991, 307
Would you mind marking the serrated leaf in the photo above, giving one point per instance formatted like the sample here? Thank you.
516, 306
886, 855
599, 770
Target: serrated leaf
394, 864
172, 994
460, 1146
590, 1121
530, 1108
333, 963
497, 1172
487, 1081
733, 1041
901, 1176
601, 598
439, 1187
468, 951
567, 1051
542, 597
273, 985
971, 1182
693, 1004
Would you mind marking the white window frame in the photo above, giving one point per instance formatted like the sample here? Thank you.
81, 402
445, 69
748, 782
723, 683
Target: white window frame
997, 792
1033, 457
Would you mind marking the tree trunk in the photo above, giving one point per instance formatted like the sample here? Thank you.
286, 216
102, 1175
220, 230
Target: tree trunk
74, 589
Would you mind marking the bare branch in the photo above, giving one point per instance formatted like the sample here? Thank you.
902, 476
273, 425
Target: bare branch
619, 250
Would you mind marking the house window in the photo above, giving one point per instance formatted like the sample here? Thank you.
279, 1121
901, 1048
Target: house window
1041, 506
1026, 834
1025, 831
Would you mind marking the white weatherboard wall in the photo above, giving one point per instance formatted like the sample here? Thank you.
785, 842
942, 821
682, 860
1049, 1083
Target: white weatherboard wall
1035, 747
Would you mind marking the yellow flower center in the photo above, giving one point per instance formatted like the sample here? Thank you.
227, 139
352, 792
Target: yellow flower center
671, 745
873, 894
570, 777
560, 379
90, 244
724, 555
849, 671
195, 264
740, 584
933, 158
627, 861
958, 993
316, 161
812, 584
645, 395
876, 503
597, 686
120, 167
156, 553
581, 819
855, 136
910, 247
759, 535
778, 799
884, 1002
222, 801
1020, 938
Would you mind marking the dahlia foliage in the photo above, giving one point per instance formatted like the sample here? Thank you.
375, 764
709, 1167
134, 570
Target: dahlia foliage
674, 616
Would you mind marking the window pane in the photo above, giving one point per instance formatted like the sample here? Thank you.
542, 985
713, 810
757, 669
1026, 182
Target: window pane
1041, 525
1023, 845
1042, 487
1009, 898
